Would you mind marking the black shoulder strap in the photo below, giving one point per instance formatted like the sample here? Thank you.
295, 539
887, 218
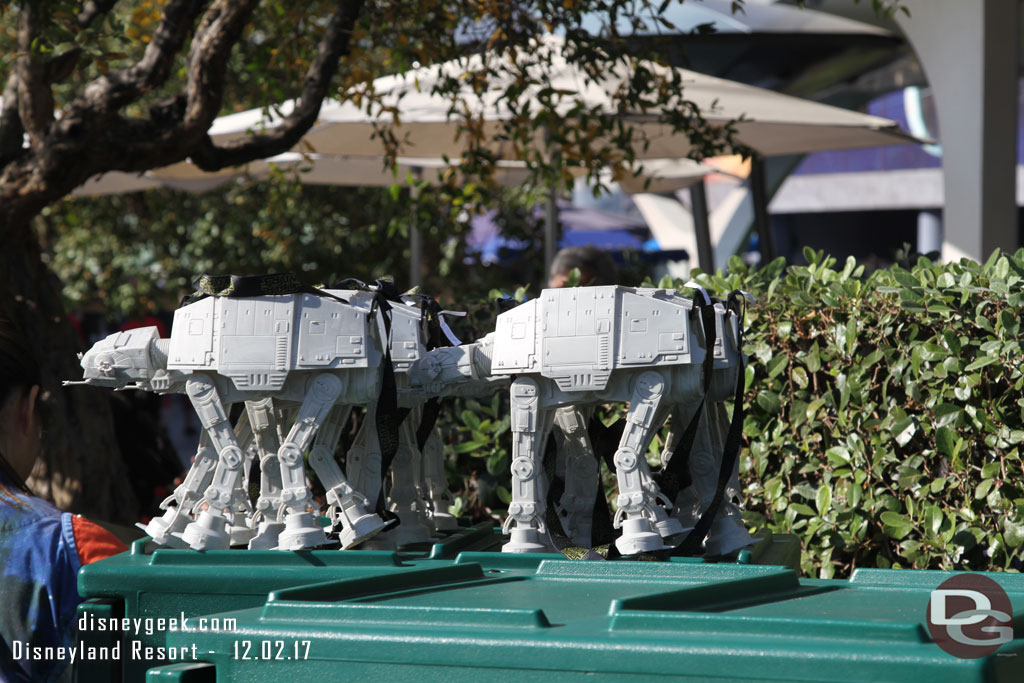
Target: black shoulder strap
673, 473
691, 545
389, 416
236, 286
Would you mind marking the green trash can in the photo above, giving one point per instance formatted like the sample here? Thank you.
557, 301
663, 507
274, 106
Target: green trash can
491, 617
161, 589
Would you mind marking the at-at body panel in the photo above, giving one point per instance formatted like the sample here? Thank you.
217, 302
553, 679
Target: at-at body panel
257, 341
577, 336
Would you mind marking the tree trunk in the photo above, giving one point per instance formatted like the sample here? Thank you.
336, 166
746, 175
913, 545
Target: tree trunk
80, 469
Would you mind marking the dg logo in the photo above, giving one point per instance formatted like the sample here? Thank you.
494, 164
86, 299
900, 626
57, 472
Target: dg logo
969, 616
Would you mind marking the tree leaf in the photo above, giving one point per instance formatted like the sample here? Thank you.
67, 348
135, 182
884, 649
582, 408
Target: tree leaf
823, 500
813, 359
903, 431
838, 456
769, 402
981, 362
945, 441
896, 525
933, 518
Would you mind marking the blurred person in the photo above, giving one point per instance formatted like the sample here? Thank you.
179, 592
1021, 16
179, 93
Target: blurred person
596, 267
41, 548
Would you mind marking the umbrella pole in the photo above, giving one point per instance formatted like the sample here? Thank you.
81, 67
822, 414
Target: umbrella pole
415, 238
762, 223
550, 231
415, 252
702, 227
550, 210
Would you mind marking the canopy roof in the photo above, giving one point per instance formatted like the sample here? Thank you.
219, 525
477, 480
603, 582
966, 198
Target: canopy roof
768, 122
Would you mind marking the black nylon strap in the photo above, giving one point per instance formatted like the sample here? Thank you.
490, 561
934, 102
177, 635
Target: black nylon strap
388, 415
431, 409
237, 286
431, 311
672, 475
254, 484
605, 440
692, 543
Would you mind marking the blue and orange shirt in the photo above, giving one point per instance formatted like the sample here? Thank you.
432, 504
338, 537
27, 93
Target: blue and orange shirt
41, 551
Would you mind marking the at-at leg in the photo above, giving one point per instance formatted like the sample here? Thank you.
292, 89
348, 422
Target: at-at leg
686, 506
581, 476
209, 531
667, 526
530, 426
240, 529
727, 533
347, 508
301, 529
436, 485
404, 497
263, 419
164, 530
363, 460
635, 514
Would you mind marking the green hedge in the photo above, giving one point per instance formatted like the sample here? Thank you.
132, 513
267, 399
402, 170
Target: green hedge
885, 414
885, 411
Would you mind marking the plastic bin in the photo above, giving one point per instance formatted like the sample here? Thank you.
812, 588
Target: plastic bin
490, 617
162, 583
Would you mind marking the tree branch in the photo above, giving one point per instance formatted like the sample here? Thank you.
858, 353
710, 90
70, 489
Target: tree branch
11, 131
108, 94
35, 99
221, 28
334, 44
76, 145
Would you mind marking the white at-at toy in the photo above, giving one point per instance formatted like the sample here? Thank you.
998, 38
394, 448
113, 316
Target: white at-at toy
320, 353
578, 467
575, 347
580, 346
418, 495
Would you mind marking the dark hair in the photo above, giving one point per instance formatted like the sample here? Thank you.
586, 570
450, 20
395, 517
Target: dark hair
590, 260
18, 372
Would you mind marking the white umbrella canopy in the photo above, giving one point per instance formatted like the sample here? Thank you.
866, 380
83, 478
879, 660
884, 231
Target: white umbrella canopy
768, 122
655, 175
342, 170
119, 182
314, 169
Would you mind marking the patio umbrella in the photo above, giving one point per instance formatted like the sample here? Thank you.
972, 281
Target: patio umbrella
771, 123
344, 170
118, 182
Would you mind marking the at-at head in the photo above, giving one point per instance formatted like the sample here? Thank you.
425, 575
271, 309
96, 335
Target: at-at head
125, 358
